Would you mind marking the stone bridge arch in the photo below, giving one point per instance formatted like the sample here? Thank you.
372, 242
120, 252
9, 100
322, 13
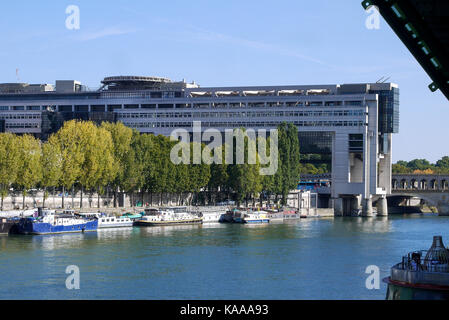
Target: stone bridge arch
440, 200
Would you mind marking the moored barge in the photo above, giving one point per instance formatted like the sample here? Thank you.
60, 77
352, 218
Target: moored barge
6, 225
55, 223
169, 216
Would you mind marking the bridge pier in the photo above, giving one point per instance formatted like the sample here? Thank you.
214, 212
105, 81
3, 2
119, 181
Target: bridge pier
338, 207
443, 209
382, 207
367, 207
355, 203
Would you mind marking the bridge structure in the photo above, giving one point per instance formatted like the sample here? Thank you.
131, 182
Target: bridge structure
433, 189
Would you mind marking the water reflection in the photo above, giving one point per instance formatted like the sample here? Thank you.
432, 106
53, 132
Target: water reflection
212, 225
302, 259
167, 230
116, 233
368, 225
256, 225
3, 242
57, 241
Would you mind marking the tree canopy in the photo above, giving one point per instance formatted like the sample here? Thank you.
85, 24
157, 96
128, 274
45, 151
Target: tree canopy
422, 166
89, 157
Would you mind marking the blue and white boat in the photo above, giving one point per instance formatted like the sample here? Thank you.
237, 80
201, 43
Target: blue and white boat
256, 217
53, 223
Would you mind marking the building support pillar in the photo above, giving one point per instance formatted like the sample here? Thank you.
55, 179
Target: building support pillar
367, 207
338, 207
382, 207
355, 205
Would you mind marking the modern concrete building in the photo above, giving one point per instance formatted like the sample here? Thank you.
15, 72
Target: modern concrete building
352, 122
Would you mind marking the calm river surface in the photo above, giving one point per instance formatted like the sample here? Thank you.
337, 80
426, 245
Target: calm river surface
307, 259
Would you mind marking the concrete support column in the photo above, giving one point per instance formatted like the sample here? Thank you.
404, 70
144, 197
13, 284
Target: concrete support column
338, 207
355, 204
367, 208
382, 207
443, 209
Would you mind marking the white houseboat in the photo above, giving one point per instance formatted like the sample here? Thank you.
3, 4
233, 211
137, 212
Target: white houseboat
168, 216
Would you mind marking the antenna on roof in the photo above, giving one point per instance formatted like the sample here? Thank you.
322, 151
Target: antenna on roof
17, 75
383, 79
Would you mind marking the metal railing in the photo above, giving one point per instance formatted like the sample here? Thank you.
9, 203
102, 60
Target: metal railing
416, 261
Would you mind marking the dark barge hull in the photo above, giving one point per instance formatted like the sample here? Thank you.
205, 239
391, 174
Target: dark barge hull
397, 290
6, 227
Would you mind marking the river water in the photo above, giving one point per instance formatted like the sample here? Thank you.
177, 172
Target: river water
306, 259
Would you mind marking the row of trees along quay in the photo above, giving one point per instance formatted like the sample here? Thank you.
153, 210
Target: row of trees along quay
110, 158
422, 166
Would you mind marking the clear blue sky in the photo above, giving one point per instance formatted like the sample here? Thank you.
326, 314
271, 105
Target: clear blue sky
219, 43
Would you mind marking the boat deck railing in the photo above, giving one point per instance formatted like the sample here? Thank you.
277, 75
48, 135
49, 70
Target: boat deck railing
416, 261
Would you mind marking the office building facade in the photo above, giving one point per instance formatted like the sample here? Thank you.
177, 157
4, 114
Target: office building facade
352, 122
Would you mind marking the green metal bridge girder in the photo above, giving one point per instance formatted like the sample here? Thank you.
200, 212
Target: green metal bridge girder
423, 26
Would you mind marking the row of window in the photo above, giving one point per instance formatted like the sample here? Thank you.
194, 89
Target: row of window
20, 108
102, 108
142, 95
341, 113
239, 124
273, 104
113, 220
22, 125
19, 116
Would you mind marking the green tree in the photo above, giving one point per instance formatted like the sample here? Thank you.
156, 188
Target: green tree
122, 137
157, 170
309, 168
400, 168
199, 174
182, 179
442, 165
244, 178
271, 182
288, 174
323, 168
107, 162
218, 181
294, 159
88, 147
9, 163
136, 164
52, 161
147, 157
30, 166
402, 163
71, 141
419, 164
